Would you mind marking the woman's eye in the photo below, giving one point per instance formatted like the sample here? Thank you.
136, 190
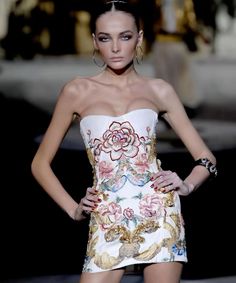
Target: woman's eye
103, 38
126, 37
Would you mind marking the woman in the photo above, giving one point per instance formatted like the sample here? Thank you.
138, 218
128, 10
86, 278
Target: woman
137, 219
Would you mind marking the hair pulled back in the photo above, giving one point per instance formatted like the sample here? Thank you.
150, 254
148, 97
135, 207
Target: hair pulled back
122, 6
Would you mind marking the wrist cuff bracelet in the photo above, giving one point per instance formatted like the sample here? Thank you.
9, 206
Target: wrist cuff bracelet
205, 162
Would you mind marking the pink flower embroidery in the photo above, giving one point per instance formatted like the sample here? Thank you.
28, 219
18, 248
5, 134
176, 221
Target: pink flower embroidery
150, 205
102, 209
109, 215
110, 209
114, 210
142, 163
128, 213
105, 169
120, 140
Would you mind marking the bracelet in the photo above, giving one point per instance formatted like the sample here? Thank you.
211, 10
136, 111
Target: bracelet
205, 162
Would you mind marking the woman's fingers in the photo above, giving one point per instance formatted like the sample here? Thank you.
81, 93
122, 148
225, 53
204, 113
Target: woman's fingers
87, 204
90, 194
91, 190
90, 200
165, 181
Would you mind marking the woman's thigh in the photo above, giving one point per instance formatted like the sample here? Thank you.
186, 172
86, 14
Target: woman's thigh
112, 276
166, 272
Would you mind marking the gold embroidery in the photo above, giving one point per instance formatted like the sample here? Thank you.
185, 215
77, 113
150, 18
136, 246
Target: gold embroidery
174, 233
169, 199
153, 149
105, 261
127, 236
148, 254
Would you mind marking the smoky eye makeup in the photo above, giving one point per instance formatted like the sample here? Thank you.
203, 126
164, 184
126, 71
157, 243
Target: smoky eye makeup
103, 38
126, 36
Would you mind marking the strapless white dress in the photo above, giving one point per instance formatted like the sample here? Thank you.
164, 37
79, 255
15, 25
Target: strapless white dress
133, 223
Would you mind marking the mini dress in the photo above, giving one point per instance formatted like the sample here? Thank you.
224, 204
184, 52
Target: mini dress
133, 223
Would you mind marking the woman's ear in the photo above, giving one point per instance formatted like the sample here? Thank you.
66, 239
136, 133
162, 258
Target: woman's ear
140, 38
94, 41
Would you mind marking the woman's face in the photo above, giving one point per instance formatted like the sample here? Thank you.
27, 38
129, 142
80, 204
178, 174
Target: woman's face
116, 38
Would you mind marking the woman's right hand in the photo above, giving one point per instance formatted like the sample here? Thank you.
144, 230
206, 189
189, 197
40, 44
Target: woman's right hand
87, 204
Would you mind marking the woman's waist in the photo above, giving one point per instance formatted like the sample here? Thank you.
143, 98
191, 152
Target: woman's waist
140, 165
128, 187
142, 173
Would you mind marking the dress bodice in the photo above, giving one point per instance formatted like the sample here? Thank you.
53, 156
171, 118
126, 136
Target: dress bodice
123, 145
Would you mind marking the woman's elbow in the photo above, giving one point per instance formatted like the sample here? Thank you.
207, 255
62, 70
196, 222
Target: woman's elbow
35, 166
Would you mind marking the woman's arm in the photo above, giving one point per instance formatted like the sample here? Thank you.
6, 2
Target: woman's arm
176, 116
41, 165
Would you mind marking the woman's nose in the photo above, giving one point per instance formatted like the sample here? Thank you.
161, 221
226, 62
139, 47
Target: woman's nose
115, 47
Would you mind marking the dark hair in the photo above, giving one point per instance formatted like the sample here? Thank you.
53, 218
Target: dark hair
122, 6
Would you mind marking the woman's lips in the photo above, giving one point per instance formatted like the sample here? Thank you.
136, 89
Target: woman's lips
116, 59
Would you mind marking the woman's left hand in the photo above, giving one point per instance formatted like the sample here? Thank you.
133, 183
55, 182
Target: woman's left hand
87, 204
166, 181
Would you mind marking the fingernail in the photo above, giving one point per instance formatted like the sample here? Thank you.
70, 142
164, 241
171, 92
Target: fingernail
152, 186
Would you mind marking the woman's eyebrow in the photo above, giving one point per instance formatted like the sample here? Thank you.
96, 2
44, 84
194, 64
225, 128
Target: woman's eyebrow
103, 33
126, 31
108, 34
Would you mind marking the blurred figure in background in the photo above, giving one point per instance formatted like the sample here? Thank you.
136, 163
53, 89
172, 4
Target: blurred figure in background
207, 13
5, 9
231, 7
176, 29
20, 39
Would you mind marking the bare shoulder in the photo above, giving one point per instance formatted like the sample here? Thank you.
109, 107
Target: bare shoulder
164, 93
76, 87
161, 87
74, 94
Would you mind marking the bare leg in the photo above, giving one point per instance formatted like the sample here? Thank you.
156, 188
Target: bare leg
168, 272
112, 276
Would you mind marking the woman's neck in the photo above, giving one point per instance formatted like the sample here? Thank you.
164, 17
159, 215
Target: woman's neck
120, 77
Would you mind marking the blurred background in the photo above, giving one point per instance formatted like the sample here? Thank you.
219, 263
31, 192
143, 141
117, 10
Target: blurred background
45, 43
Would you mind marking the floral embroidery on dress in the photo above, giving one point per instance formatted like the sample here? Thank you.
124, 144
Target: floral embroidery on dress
151, 205
122, 144
133, 221
120, 140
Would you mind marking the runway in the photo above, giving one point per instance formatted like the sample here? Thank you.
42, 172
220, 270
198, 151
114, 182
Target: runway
37, 238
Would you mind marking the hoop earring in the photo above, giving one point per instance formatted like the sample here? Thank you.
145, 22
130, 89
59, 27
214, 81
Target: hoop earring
139, 55
95, 60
